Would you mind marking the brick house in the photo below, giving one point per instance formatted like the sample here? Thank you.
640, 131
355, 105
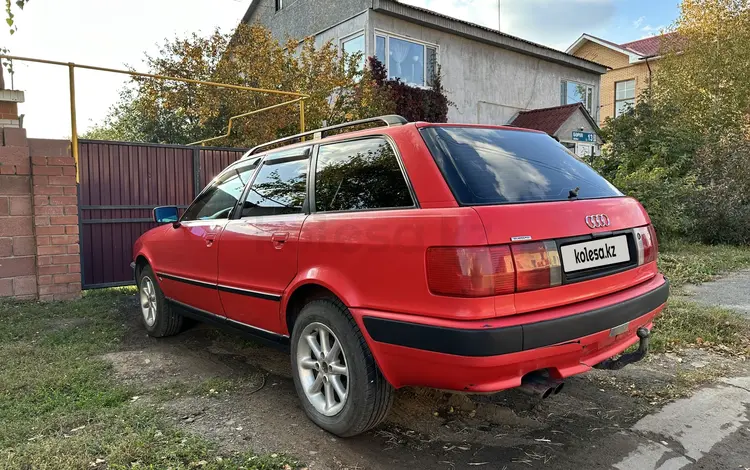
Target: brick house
631, 66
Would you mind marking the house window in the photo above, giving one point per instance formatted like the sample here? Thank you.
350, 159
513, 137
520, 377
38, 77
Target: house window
279, 4
624, 96
353, 46
574, 92
412, 62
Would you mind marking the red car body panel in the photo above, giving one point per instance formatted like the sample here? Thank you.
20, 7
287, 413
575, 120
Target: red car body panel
375, 263
493, 373
258, 255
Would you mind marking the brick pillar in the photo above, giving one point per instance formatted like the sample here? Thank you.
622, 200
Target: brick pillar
17, 243
39, 251
55, 219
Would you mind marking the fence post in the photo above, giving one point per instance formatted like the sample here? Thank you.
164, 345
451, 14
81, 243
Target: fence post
196, 171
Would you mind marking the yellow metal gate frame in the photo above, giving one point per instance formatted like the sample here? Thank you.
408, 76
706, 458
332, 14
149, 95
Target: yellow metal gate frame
299, 97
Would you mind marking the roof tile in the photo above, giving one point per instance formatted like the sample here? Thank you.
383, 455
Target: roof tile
547, 120
647, 47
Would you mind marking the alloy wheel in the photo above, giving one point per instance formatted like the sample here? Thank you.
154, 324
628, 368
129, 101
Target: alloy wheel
148, 300
322, 368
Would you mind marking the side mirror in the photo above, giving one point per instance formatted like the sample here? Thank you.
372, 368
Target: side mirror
166, 215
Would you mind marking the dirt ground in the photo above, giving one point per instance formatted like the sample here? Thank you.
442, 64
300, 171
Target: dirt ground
241, 395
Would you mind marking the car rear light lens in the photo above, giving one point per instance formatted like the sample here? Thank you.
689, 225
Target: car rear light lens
645, 242
654, 241
470, 271
537, 266
493, 270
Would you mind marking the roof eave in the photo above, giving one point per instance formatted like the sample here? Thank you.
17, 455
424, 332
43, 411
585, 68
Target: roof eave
633, 56
470, 31
250, 10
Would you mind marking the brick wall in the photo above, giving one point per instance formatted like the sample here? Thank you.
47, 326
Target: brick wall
17, 244
8, 114
55, 219
602, 55
621, 70
39, 250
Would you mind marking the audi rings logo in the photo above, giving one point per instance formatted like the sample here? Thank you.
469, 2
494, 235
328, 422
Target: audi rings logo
598, 221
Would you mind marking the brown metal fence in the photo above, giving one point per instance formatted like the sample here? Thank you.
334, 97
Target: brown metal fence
120, 184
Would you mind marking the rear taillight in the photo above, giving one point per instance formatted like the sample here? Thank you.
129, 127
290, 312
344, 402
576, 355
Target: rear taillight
537, 266
493, 270
646, 244
470, 271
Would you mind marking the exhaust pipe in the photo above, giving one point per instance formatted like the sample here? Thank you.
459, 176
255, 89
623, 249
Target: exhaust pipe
541, 386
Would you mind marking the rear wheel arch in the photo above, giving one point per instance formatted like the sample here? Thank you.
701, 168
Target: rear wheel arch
303, 295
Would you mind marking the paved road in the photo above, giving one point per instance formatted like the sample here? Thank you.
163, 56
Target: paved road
732, 292
708, 430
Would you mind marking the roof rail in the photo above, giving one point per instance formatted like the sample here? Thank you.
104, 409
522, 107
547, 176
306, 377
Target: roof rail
389, 120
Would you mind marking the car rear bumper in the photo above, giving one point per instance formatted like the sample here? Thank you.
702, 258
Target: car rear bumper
492, 355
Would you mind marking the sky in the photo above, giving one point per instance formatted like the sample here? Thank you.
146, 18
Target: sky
116, 33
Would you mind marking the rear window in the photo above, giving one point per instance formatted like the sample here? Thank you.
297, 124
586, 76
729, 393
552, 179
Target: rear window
501, 166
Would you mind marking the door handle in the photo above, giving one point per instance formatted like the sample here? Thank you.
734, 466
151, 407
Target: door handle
279, 239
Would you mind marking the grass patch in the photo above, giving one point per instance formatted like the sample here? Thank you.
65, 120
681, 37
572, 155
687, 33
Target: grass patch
61, 408
687, 324
694, 263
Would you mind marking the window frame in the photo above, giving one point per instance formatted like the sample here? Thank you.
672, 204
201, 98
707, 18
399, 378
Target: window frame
350, 37
589, 93
387, 35
635, 85
275, 155
312, 176
213, 182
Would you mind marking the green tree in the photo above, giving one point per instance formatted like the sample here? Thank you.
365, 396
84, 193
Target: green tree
684, 150
177, 112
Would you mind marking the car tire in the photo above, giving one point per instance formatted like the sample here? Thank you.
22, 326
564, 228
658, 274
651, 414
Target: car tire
368, 396
159, 318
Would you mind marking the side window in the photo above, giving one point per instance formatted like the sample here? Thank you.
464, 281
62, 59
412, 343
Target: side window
279, 188
222, 196
359, 175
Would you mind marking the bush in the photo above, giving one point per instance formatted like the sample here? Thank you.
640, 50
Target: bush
413, 103
721, 206
695, 186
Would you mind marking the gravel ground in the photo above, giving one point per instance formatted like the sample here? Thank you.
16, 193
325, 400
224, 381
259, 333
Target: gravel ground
601, 420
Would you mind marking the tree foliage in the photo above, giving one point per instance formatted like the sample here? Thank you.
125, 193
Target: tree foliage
10, 6
177, 112
684, 150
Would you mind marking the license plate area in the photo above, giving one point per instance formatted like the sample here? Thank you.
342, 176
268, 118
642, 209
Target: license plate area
571, 276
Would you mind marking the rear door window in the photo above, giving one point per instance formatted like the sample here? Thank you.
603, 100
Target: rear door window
279, 188
501, 166
360, 175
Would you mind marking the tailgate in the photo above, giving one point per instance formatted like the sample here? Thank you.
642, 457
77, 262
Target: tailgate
595, 261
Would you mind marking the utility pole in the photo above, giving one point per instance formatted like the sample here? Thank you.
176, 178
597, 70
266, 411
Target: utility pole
499, 23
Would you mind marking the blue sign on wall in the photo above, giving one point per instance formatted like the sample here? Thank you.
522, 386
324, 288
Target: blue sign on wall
580, 136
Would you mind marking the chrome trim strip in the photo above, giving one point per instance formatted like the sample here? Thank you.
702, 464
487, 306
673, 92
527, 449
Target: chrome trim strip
252, 293
186, 279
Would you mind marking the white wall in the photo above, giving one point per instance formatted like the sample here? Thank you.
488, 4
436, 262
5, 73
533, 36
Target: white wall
489, 85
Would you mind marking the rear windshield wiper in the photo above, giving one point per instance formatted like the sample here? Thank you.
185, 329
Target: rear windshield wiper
573, 193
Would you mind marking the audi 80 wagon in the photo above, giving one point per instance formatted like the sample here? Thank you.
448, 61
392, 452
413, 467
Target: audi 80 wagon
461, 257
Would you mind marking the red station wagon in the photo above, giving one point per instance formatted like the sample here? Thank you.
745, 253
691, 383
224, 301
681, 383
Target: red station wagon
460, 257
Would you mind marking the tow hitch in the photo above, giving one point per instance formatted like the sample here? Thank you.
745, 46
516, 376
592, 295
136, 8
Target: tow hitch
629, 358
